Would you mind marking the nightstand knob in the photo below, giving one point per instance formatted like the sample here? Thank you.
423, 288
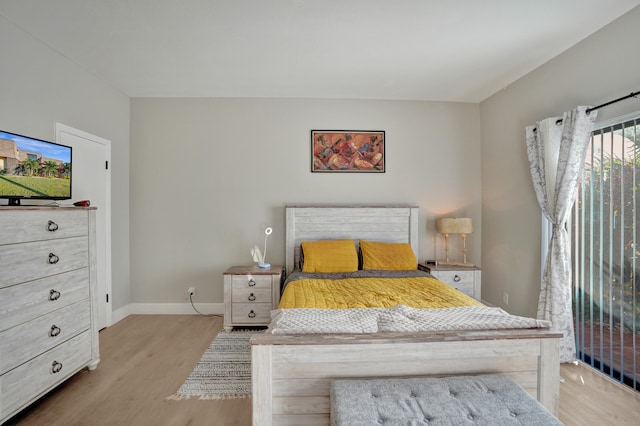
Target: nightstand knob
251, 314
251, 297
252, 282
56, 367
53, 259
52, 226
456, 278
54, 295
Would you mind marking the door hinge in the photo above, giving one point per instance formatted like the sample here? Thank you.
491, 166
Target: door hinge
107, 297
106, 165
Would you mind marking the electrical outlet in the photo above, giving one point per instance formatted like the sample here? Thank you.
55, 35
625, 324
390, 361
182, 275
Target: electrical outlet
191, 291
505, 298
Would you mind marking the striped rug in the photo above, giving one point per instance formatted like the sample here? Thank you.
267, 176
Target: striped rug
223, 372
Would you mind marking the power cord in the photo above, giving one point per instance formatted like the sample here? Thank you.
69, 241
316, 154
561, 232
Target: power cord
200, 313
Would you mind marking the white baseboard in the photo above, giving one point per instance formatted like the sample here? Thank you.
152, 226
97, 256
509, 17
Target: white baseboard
120, 314
166, 309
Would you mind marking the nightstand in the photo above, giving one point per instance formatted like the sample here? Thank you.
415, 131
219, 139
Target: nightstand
250, 293
464, 278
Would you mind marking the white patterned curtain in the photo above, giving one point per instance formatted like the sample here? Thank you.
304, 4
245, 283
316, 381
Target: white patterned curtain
556, 148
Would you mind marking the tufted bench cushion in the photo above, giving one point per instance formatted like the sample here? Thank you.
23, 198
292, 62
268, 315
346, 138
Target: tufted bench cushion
490, 399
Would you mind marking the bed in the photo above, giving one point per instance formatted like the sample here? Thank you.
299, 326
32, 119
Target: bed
291, 373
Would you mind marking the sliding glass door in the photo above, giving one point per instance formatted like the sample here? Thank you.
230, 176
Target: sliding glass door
606, 246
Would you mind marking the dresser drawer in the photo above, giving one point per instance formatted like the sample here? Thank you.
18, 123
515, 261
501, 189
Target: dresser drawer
251, 313
250, 281
28, 261
23, 302
33, 379
21, 343
18, 227
249, 295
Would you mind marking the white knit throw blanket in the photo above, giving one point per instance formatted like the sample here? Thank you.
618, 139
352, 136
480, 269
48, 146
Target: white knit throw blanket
397, 319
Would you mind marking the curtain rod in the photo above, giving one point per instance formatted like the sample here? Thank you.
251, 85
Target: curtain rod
588, 110
630, 95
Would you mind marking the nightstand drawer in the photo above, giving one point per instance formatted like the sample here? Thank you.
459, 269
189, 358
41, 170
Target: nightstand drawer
464, 278
455, 278
465, 288
251, 313
250, 281
251, 295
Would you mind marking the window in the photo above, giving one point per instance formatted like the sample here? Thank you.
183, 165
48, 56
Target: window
605, 248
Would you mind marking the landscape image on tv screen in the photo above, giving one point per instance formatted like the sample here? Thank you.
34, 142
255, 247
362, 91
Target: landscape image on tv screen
33, 168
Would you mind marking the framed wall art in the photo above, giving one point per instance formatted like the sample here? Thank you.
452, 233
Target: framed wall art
348, 151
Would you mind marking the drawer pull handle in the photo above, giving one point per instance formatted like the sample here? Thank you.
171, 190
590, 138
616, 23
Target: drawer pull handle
252, 314
456, 278
56, 367
251, 297
252, 282
52, 226
55, 330
54, 295
53, 259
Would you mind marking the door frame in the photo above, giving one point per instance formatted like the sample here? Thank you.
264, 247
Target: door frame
59, 130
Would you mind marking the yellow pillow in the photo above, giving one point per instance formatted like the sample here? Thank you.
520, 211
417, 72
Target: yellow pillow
329, 256
387, 256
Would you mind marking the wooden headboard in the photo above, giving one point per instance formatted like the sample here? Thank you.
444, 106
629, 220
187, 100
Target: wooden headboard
393, 224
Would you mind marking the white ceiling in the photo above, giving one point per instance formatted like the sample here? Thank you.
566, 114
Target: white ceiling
450, 50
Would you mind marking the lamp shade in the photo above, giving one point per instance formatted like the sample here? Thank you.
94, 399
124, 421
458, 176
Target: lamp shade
454, 225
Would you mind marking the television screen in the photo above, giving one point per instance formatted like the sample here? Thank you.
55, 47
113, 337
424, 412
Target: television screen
33, 169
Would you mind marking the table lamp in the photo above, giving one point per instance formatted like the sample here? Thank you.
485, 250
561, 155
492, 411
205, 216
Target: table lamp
259, 256
455, 225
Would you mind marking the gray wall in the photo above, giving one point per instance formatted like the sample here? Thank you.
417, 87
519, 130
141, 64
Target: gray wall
208, 175
39, 87
603, 67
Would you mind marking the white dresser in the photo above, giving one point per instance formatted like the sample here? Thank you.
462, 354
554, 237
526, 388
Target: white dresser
48, 300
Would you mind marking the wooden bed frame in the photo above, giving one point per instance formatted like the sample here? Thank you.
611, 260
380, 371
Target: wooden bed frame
291, 374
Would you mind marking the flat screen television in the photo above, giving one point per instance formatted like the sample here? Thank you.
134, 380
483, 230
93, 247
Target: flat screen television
33, 169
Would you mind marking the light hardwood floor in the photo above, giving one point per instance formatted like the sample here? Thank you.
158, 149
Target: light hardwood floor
146, 358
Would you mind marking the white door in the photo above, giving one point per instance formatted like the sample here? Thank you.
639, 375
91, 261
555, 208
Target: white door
91, 180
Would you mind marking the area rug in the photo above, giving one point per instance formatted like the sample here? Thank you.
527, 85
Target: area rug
223, 372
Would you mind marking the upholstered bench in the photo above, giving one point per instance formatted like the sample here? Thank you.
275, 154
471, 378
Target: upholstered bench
490, 399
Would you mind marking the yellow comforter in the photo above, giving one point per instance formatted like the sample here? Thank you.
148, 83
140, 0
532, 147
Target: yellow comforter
417, 292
